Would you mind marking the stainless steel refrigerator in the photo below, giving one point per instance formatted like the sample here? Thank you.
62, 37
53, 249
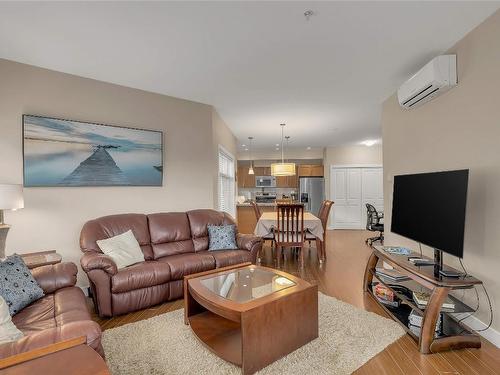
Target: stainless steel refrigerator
312, 193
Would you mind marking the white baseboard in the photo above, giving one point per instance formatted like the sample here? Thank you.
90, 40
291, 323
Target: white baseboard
490, 334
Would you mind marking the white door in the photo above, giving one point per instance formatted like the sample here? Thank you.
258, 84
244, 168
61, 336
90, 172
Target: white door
372, 190
346, 187
350, 189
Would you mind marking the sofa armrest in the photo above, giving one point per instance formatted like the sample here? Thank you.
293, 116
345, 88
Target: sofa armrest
247, 241
87, 328
56, 276
93, 261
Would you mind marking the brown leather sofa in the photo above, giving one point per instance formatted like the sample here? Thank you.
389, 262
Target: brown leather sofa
174, 245
62, 314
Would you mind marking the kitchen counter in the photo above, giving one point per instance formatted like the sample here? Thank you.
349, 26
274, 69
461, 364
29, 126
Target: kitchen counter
247, 204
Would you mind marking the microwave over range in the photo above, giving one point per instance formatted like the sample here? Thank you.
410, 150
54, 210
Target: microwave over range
265, 181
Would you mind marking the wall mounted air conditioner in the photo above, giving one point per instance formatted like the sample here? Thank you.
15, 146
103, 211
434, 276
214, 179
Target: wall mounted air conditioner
434, 79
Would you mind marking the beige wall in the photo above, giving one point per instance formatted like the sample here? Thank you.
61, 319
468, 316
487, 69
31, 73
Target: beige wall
354, 154
222, 136
52, 217
460, 129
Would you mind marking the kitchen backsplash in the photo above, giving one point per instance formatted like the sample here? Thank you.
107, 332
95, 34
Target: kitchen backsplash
250, 193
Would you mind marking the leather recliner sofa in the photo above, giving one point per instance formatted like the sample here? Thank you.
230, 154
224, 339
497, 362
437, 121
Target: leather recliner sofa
62, 314
174, 245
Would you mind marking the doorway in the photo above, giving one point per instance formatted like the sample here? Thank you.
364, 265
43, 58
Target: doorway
351, 187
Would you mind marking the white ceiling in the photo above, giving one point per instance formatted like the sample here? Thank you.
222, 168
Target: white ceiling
258, 63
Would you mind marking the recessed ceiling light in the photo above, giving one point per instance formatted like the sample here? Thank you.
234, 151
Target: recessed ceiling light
277, 148
277, 144
243, 145
308, 147
369, 142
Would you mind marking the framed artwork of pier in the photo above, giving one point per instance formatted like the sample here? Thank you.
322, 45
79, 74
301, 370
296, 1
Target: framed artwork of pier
74, 153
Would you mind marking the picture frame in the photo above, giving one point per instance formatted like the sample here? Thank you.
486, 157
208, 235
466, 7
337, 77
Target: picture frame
69, 153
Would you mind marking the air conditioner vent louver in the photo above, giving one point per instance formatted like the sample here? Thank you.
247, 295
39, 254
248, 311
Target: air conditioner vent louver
423, 97
434, 79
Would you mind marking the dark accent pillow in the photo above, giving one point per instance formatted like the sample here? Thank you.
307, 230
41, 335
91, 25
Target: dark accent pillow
17, 285
221, 237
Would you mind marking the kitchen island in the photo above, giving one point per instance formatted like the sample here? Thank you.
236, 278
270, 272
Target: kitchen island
245, 215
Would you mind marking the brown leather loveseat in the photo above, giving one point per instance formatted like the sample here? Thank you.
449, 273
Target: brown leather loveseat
62, 314
174, 245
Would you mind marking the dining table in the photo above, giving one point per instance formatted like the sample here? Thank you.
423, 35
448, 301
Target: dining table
268, 221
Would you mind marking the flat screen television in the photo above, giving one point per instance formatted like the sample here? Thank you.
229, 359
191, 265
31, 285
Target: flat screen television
430, 208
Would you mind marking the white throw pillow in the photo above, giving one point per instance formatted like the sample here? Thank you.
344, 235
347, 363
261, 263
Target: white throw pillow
123, 249
8, 331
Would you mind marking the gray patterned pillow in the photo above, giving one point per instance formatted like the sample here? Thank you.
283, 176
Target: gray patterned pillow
17, 285
222, 237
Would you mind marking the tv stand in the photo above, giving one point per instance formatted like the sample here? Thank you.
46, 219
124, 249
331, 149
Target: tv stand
438, 262
453, 334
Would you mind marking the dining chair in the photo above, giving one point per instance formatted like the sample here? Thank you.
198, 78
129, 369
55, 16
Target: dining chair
267, 237
290, 228
324, 212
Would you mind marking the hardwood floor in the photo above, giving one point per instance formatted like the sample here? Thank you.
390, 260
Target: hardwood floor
341, 276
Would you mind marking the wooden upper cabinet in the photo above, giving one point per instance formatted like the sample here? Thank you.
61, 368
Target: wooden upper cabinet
305, 170
245, 180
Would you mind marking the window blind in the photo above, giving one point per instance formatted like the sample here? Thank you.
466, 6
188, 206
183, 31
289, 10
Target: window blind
226, 183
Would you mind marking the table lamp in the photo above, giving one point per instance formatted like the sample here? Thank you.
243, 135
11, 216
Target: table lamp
11, 198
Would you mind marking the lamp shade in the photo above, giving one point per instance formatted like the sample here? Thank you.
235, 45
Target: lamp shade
11, 197
283, 169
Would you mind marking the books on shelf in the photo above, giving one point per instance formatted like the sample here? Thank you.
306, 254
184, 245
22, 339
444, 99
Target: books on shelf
385, 295
392, 275
415, 321
422, 299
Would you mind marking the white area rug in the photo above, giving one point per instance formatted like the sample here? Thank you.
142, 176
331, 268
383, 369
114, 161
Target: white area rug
348, 338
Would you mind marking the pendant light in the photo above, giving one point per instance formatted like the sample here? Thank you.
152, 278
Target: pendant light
250, 170
282, 169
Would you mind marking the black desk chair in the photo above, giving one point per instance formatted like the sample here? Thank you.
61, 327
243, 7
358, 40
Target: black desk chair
373, 224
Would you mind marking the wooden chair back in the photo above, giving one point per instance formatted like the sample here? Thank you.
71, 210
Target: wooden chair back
256, 210
290, 230
324, 212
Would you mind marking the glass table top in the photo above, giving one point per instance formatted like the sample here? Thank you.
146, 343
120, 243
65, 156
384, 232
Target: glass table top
246, 284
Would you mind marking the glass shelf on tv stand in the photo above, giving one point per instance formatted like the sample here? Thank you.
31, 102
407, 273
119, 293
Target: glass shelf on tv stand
460, 307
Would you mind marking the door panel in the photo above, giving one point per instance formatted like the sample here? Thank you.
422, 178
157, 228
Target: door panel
351, 189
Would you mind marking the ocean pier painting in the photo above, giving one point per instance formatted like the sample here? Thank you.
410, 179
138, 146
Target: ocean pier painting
74, 153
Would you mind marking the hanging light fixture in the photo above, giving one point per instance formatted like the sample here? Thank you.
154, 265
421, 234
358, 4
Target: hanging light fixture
282, 169
250, 170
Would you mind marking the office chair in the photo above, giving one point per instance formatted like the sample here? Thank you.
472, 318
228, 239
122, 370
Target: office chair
373, 224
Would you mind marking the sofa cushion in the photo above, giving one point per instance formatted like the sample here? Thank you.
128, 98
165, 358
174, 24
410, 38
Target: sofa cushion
123, 249
224, 258
8, 331
54, 310
198, 221
221, 237
113, 225
140, 275
187, 264
17, 285
170, 234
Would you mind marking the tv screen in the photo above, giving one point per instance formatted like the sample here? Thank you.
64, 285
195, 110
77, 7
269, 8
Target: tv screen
430, 208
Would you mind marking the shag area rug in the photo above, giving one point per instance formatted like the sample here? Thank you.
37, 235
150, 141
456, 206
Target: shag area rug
348, 338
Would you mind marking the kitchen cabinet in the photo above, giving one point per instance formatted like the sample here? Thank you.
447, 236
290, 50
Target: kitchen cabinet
245, 180
287, 182
262, 171
305, 170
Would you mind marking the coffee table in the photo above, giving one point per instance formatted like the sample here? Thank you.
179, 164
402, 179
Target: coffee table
251, 315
